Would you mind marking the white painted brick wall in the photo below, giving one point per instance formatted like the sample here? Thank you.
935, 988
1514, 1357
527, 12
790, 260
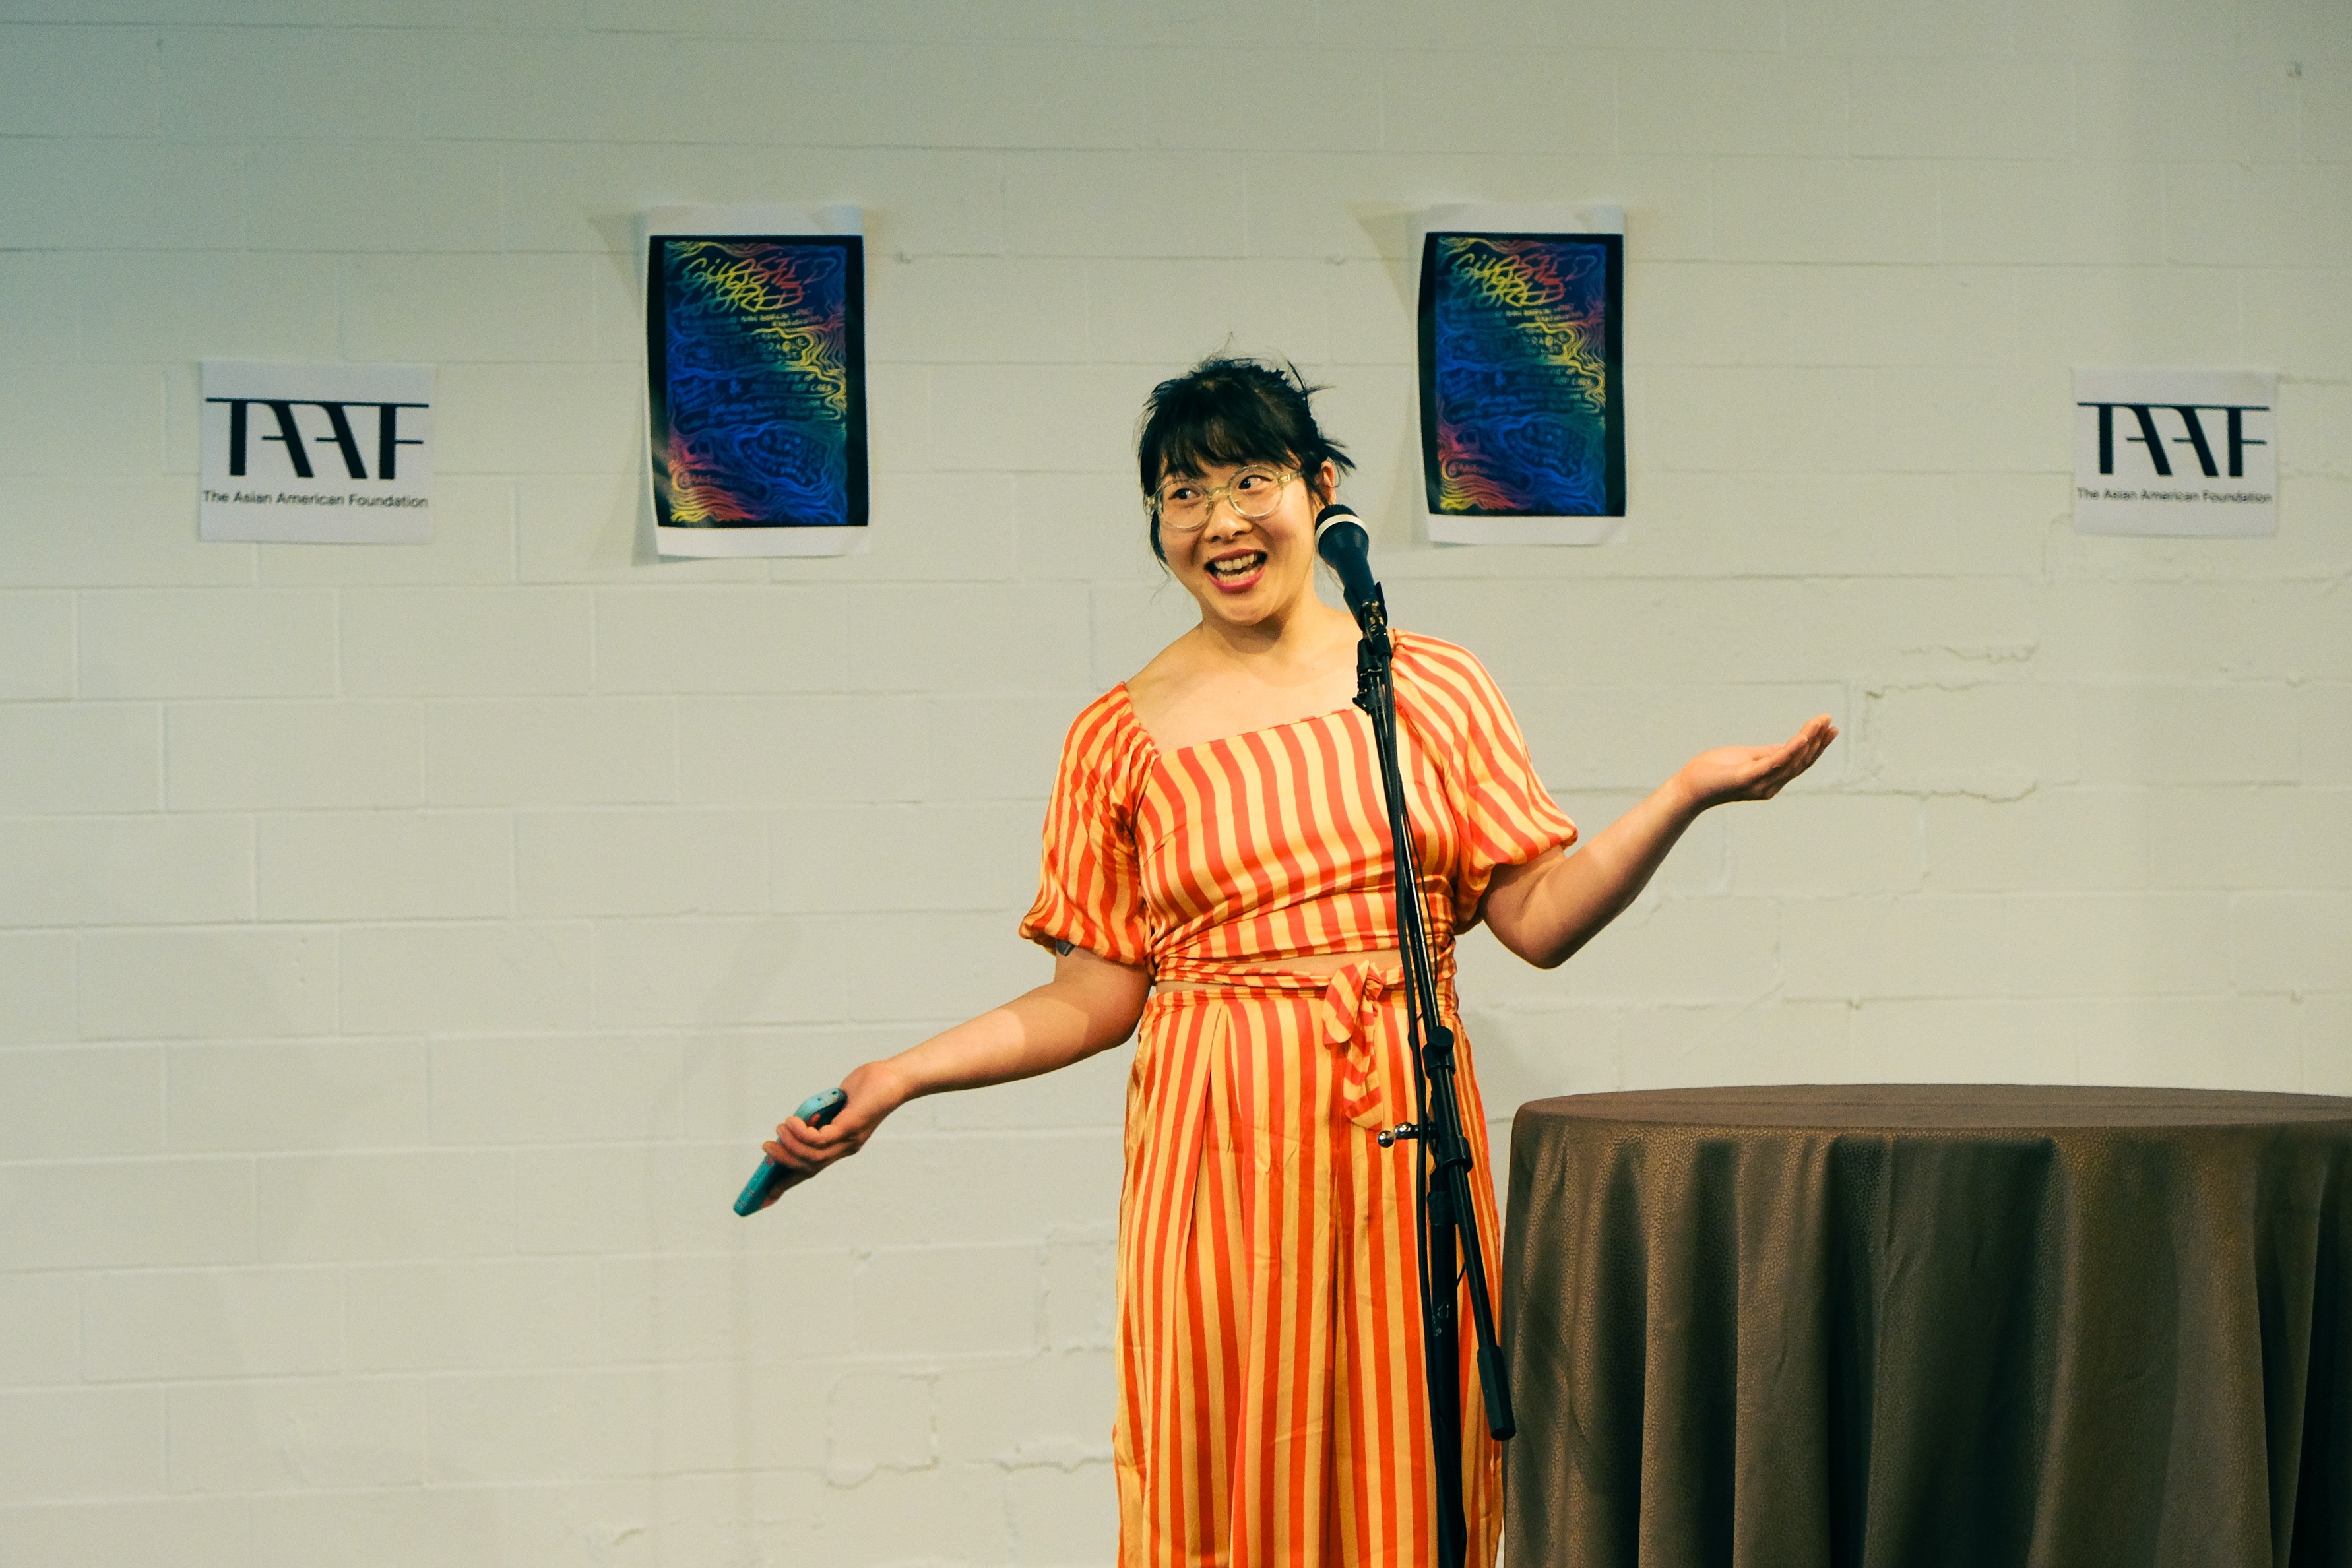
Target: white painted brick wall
401, 949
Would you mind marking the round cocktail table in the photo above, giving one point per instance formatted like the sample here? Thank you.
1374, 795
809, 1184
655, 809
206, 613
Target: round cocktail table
1930, 1324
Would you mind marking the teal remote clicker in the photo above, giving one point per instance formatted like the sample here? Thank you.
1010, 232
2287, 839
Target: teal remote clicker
769, 1182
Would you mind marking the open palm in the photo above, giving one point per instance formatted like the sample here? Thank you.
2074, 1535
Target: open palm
1755, 772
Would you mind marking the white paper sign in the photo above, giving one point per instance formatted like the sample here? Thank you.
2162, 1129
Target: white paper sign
2184, 453
317, 454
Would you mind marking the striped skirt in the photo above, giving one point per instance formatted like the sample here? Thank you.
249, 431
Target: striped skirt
1272, 1411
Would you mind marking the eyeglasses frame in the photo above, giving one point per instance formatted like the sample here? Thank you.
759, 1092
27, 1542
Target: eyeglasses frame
1282, 477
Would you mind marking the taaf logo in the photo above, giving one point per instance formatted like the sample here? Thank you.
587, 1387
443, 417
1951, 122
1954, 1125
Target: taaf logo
2232, 434
331, 453
385, 417
2178, 453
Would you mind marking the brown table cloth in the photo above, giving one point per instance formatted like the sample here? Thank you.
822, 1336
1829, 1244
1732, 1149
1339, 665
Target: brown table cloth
1894, 1326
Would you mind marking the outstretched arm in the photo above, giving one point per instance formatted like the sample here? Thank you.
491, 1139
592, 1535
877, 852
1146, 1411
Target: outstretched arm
1091, 1003
1553, 904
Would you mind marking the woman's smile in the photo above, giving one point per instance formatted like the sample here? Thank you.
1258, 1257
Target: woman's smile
1237, 571
1250, 563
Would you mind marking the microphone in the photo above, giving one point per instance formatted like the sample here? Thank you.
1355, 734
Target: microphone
1346, 548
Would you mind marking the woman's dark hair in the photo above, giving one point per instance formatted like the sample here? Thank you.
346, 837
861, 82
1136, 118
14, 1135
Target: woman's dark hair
1230, 410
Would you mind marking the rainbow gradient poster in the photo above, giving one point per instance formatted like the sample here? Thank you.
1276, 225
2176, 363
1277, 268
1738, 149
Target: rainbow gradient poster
1522, 374
755, 363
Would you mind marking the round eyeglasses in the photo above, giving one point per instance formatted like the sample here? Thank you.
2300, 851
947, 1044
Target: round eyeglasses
1184, 504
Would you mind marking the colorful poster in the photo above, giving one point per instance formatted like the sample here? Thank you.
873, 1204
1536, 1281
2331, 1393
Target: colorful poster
755, 363
1522, 374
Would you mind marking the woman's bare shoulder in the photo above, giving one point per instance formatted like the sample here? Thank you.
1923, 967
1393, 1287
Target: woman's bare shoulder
1168, 675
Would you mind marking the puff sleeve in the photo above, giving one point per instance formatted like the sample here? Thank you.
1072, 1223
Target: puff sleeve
1506, 815
1089, 893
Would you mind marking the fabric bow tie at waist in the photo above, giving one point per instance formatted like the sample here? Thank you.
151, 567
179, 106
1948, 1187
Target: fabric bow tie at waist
1351, 1002
1351, 998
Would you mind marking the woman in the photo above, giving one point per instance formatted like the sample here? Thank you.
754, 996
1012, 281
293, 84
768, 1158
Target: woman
1217, 868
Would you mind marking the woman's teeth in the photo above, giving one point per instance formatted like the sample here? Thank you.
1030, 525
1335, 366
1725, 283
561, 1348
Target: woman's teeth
1238, 565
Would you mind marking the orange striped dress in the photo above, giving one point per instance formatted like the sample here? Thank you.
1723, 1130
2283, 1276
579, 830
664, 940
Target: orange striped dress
1272, 1403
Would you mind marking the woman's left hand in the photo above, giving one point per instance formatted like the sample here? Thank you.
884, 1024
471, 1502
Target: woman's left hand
1753, 772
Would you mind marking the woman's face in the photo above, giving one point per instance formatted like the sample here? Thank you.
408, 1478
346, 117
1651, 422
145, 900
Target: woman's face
1244, 571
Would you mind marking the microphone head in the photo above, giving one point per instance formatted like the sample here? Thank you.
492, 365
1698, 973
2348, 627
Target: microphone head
1337, 516
1346, 548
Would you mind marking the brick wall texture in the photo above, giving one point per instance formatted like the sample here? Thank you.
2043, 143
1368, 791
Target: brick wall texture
401, 948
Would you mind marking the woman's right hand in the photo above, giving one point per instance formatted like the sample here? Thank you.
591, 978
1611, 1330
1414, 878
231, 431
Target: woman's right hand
1091, 1003
873, 1092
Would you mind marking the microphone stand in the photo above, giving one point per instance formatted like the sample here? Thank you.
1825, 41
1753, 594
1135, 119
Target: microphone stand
1448, 1216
